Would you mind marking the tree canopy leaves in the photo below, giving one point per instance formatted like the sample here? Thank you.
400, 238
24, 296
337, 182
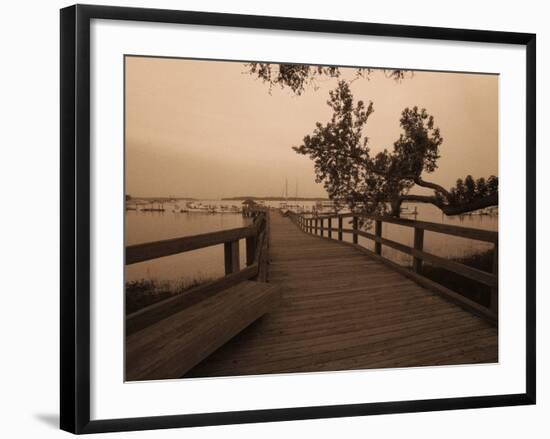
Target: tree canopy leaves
298, 77
380, 183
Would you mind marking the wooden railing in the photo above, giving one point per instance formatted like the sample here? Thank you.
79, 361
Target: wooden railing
327, 225
256, 236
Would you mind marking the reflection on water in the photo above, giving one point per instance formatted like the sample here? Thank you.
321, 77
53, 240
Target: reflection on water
199, 264
155, 226
436, 243
207, 263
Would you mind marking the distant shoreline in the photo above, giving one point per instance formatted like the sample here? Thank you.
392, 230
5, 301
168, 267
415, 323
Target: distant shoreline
166, 199
276, 198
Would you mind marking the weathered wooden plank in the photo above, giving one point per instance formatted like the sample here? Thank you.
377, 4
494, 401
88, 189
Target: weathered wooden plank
481, 276
231, 257
447, 348
172, 346
152, 250
250, 250
438, 288
289, 331
378, 234
264, 258
464, 232
348, 338
419, 246
355, 350
441, 349
464, 270
259, 221
341, 306
153, 313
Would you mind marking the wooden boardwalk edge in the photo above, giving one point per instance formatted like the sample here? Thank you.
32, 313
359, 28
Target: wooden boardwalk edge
452, 296
342, 309
172, 346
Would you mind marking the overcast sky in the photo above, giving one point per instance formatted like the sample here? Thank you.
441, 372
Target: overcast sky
207, 129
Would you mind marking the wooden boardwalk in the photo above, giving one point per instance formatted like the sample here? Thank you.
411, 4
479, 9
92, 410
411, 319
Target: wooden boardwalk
342, 310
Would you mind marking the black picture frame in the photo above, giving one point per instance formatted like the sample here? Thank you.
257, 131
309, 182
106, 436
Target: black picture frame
75, 217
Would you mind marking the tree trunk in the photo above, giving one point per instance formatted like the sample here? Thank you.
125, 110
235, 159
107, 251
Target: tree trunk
450, 209
396, 207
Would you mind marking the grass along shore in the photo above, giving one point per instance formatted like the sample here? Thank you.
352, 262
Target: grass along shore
145, 292
471, 289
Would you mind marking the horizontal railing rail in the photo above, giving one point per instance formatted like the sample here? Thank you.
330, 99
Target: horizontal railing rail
447, 229
324, 226
256, 236
158, 249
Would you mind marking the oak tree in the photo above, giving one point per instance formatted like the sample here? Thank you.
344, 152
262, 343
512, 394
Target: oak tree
379, 183
297, 77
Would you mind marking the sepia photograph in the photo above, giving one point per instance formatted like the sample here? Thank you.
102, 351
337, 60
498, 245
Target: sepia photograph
296, 218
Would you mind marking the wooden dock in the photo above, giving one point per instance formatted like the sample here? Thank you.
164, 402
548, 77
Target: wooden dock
342, 309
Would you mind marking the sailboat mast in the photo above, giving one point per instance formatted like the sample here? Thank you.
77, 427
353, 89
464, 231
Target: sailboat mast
286, 189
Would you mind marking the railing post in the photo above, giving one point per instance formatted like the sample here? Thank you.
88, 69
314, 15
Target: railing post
268, 228
378, 233
355, 227
340, 227
330, 227
321, 229
231, 256
418, 245
250, 250
494, 290
316, 225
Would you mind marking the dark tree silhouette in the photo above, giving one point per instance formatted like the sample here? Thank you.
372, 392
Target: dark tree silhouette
379, 184
298, 77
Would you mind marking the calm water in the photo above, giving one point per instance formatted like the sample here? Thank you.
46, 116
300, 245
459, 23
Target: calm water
436, 243
208, 263
199, 264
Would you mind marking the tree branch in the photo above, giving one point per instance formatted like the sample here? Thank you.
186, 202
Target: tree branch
475, 204
431, 185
